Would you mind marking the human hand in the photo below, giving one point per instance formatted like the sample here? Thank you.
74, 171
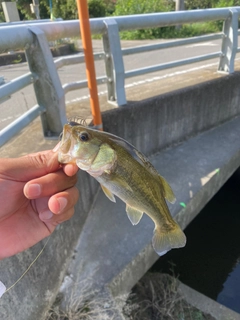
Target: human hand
36, 194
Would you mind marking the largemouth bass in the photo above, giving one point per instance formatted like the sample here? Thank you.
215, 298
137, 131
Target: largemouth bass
124, 171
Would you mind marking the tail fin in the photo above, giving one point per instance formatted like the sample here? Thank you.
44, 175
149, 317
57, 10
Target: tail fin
165, 240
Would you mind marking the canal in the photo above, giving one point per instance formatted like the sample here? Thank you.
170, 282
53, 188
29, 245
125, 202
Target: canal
210, 262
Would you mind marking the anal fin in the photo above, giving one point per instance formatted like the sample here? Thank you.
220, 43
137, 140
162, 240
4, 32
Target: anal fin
108, 193
134, 215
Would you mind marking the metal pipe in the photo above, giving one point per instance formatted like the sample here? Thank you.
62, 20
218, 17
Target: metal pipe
76, 58
173, 64
14, 23
15, 37
179, 5
20, 123
16, 85
65, 61
163, 19
81, 84
171, 44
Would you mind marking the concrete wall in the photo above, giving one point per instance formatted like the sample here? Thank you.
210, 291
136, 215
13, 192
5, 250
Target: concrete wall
162, 121
150, 125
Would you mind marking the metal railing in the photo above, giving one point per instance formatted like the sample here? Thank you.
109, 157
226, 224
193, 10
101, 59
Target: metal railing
50, 94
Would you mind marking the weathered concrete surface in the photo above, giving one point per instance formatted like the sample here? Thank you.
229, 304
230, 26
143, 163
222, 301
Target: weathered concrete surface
152, 125
206, 304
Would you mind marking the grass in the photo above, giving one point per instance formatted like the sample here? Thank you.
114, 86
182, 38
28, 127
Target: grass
156, 297
186, 30
89, 305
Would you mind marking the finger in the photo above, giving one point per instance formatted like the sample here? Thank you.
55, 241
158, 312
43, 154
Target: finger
48, 185
70, 169
58, 208
56, 220
30, 166
61, 202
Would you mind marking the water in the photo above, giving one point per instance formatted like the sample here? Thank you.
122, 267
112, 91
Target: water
210, 262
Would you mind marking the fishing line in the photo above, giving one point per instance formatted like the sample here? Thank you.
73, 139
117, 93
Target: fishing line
3, 288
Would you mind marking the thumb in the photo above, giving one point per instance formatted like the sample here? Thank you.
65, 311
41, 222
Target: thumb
30, 166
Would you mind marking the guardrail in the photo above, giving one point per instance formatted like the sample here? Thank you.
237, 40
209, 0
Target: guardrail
14, 23
43, 74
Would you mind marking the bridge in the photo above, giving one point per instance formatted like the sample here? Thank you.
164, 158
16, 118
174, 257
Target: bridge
190, 135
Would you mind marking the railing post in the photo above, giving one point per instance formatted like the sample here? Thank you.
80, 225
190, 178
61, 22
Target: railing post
114, 63
229, 43
48, 88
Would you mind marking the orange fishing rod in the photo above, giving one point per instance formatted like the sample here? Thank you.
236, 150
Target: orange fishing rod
89, 60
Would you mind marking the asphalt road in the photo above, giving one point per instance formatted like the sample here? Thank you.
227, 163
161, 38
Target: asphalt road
23, 100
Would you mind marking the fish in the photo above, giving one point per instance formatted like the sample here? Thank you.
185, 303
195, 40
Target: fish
125, 172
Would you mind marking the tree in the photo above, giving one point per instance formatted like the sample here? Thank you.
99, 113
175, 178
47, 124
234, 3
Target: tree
65, 9
127, 7
200, 4
96, 9
25, 10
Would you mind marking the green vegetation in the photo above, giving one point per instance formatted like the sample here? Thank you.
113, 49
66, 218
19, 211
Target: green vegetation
156, 296
88, 304
66, 9
126, 7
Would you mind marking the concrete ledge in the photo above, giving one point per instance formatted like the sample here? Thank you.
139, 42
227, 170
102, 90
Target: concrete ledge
162, 121
206, 304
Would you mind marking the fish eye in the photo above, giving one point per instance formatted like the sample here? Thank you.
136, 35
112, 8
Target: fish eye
83, 136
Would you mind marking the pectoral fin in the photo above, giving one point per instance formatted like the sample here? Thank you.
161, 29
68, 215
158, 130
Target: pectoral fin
134, 215
108, 193
168, 193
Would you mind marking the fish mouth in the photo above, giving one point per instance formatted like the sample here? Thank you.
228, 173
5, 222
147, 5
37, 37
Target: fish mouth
64, 153
65, 158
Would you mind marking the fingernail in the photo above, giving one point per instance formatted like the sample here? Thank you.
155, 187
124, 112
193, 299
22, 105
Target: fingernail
45, 215
62, 204
33, 190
